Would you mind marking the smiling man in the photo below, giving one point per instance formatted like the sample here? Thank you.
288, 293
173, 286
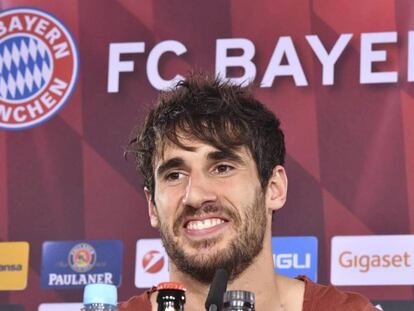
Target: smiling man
212, 160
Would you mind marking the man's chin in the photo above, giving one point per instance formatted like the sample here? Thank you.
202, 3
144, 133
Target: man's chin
203, 264
204, 254
204, 245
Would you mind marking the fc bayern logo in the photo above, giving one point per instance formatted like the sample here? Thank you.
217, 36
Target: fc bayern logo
82, 257
153, 261
38, 67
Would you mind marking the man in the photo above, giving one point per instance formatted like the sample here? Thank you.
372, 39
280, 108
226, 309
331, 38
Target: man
212, 159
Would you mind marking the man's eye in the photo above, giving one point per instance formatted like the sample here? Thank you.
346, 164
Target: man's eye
223, 168
173, 176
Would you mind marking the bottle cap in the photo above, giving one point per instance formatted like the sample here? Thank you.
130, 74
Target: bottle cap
100, 293
171, 285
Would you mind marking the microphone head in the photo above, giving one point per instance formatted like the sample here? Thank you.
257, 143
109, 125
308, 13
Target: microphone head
217, 288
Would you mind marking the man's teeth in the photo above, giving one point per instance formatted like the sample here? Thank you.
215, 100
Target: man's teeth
204, 224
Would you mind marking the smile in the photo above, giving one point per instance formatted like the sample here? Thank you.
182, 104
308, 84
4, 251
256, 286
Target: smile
204, 224
205, 228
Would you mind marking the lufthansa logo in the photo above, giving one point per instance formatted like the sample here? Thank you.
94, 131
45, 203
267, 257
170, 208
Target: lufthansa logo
38, 67
82, 257
11, 268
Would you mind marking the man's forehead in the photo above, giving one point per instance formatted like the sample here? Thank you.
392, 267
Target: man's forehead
165, 147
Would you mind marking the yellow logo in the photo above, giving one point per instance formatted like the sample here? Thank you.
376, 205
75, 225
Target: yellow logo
14, 262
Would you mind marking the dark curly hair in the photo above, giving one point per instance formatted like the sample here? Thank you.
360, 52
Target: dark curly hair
212, 111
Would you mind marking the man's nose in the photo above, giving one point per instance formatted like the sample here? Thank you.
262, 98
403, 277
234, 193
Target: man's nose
199, 191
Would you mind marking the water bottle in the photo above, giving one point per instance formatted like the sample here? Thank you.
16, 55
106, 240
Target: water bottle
171, 296
238, 300
100, 297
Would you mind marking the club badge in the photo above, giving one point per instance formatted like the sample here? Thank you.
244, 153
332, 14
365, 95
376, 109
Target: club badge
38, 67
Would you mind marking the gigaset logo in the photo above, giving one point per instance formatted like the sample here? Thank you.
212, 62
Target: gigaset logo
366, 262
372, 260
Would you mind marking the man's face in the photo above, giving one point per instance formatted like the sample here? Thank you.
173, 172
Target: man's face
209, 207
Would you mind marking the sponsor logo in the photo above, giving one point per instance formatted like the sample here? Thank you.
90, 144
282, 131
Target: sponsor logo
14, 261
4, 307
11, 268
289, 261
82, 257
60, 306
38, 67
394, 305
372, 260
151, 263
77, 263
294, 256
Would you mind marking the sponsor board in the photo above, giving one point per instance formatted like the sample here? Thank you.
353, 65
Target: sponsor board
38, 67
372, 260
294, 256
73, 264
394, 305
60, 306
4, 307
14, 261
151, 264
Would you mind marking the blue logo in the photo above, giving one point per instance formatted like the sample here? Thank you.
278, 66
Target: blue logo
293, 256
74, 264
25, 67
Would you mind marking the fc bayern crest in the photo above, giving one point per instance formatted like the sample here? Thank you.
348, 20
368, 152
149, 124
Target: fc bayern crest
38, 67
82, 257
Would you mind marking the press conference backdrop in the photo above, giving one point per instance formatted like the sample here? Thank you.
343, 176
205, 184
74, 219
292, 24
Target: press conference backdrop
76, 76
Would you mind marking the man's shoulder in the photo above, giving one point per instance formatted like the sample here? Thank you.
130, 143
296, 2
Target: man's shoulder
327, 297
136, 303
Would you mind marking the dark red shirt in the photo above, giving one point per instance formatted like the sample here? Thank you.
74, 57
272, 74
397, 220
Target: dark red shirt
317, 298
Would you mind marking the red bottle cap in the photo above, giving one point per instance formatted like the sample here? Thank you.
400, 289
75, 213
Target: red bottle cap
171, 285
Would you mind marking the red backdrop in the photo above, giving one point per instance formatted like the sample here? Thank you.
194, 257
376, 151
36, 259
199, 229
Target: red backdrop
350, 146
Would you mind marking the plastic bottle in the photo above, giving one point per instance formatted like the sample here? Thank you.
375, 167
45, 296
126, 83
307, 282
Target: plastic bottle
171, 296
100, 297
238, 300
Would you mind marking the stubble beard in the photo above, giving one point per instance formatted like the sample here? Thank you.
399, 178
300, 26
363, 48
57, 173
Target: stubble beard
238, 254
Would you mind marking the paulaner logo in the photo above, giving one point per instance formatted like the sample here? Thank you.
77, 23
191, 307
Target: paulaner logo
38, 67
82, 257
74, 264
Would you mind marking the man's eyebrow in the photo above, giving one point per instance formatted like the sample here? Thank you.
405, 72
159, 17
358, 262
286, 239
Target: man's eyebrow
171, 163
225, 155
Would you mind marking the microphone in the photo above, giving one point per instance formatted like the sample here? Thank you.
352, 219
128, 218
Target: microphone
214, 301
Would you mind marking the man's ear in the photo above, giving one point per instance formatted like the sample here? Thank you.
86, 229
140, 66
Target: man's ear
276, 189
152, 210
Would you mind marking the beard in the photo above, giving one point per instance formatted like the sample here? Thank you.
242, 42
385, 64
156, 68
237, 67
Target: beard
238, 254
